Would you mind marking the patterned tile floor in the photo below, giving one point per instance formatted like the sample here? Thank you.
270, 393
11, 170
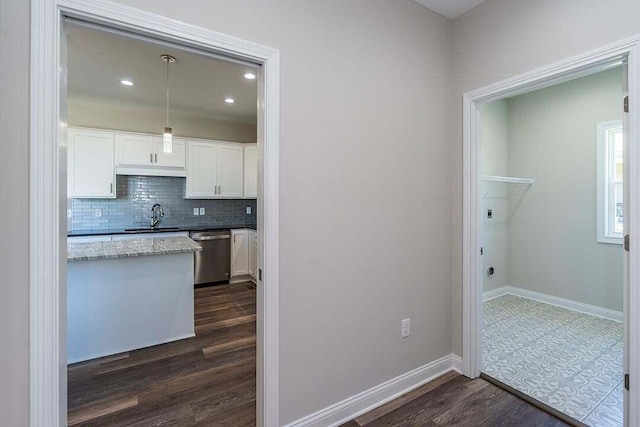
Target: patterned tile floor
568, 360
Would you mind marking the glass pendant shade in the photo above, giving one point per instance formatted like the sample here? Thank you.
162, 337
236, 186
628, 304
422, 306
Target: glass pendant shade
167, 140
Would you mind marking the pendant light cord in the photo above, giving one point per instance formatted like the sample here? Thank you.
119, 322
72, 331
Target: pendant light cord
168, 93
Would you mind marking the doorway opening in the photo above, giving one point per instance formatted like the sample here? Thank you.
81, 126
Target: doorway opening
162, 232
49, 256
512, 195
553, 226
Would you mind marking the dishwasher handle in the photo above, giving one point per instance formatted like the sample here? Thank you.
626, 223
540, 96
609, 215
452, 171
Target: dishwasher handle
205, 238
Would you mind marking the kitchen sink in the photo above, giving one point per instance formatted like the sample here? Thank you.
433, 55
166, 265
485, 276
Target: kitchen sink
150, 230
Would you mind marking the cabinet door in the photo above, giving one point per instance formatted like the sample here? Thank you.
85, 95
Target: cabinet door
250, 172
91, 169
201, 169
253, 253
239, 252
175, 159
230, 171
135, 150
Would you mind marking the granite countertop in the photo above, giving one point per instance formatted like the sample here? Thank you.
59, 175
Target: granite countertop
130, 248
112, 231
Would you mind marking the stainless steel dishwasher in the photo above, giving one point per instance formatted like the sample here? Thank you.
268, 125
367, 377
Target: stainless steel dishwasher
213, 263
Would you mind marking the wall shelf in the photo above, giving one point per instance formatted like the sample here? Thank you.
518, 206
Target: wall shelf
510, 188
508, 179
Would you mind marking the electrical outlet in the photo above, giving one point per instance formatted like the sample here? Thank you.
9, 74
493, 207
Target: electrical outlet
406, 328
248, 210
201, 211
97, 213
196, 211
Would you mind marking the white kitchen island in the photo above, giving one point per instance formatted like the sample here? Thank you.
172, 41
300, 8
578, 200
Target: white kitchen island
129, 294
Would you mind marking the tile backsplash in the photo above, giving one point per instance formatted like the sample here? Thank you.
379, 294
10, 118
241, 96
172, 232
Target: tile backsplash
137, 194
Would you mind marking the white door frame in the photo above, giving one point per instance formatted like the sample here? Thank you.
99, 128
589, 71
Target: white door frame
47, 233
472, 211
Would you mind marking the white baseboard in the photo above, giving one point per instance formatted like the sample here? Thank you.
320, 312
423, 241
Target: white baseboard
495, 293
457, 363
368, 400
593, 310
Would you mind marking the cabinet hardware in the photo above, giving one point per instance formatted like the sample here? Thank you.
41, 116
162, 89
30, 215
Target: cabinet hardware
626, 242
156, 157
150, 157
111, 188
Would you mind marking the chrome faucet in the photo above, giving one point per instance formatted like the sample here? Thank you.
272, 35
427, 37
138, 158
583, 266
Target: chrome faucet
156, 214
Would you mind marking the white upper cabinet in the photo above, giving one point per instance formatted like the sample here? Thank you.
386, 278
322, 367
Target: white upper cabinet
142, 154
134, 149
90, 168
214, 170
201, 170
230, 171
175, 159
251, 172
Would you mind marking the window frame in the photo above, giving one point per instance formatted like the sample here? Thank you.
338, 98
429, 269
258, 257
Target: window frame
605, 195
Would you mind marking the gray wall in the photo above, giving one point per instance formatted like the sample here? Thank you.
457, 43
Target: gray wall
14, 217
495, 161
104, 114
365, 189
137, 194
500, 39
364, 122
552, 237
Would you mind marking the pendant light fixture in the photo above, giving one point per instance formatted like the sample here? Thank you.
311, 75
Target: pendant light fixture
167, 134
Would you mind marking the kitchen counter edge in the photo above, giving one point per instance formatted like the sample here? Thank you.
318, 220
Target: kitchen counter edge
113, 232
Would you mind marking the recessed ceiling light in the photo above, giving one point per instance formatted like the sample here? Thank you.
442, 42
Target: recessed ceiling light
249, 76
126, 82
229, 100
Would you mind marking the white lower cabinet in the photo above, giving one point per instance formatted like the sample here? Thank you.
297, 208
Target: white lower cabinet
253, 253
239, 252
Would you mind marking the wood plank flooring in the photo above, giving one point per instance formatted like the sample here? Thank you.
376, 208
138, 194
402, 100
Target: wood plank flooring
453, 400
210, 380
206, 380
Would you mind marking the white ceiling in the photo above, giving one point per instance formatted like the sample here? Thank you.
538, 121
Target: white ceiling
450, 8
97, 62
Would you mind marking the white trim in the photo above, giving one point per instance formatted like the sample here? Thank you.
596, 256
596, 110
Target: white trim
47, 230
495, 293
603, 233
457, 363
580, 65
374, 397
593, 310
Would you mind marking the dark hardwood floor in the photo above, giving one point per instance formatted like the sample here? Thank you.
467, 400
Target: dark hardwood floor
210, 380
453, 400
206, 380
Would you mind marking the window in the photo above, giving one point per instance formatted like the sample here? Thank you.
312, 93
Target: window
610, 192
